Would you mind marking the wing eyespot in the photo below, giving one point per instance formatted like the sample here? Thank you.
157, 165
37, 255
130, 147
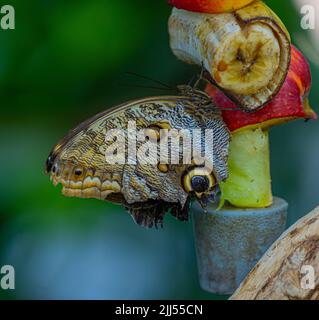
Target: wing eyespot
200, 184
78, 172
198, 180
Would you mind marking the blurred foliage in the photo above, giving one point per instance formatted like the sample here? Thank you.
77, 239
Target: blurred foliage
63, 63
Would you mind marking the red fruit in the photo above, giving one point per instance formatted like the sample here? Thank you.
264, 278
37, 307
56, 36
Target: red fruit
290, 103
210, 6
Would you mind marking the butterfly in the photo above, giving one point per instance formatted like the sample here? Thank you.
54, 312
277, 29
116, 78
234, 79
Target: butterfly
147, 190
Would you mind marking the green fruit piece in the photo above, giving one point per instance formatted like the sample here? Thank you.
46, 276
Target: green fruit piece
249, 182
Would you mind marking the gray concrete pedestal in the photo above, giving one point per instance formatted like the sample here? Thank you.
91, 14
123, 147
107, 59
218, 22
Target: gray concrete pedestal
229, 242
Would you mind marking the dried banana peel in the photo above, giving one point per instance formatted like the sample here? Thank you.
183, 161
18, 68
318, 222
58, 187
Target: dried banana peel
246, 52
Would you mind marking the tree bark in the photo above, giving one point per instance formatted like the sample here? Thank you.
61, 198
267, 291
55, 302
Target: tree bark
287, 269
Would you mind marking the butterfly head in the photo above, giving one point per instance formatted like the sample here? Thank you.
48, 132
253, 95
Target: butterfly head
201, 98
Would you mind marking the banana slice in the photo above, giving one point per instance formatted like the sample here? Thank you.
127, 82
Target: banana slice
247, 52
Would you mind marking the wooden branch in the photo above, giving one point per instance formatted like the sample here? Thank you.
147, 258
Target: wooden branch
285, 270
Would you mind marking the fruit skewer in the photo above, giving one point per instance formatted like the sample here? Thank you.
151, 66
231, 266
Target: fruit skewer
225, 47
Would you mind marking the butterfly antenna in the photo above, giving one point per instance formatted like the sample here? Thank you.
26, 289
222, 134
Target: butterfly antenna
191, 81
150, 79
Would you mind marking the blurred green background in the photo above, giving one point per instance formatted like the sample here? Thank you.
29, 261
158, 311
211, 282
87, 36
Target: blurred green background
64, 62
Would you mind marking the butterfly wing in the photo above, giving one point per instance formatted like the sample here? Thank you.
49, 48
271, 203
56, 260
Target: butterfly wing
78, 161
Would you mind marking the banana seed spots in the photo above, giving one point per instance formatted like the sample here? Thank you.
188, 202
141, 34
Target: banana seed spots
240, 56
